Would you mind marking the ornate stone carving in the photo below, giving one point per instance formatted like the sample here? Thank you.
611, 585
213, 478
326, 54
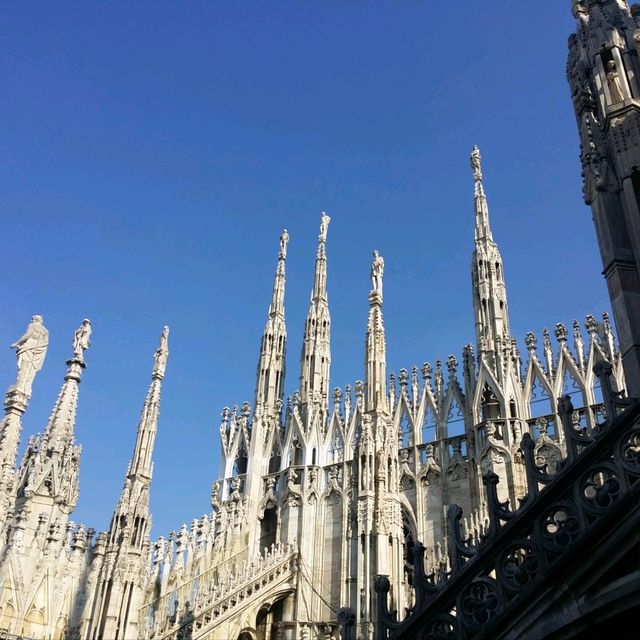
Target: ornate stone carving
161, 355
31, 350
81, 340
377, 271
284, 241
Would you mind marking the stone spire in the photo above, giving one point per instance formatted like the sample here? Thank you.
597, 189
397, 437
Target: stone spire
141, 465
57, 480
316, 346
376, 351
125, 558
489, 291
31, 350
482, 230
271, 364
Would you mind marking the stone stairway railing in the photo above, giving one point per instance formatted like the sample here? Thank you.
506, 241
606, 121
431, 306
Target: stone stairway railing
216, 593
490, 577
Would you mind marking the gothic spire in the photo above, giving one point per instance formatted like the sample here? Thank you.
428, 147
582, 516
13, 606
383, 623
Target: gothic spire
489, 290
141, 464
316, 346
482, 230
376, 350
58, 479
277, 298
271, 364
59, 429
127, 543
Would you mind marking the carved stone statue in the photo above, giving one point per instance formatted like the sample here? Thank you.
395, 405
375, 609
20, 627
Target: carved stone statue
615, 86
475, 164
324, 226
284, 241
81, 339
377, 270
31, 350
578, 7
161, 354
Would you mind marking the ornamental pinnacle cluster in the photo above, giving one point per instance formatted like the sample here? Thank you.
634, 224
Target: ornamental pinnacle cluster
327, 492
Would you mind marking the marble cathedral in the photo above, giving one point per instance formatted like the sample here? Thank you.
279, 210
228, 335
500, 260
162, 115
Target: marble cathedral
324, 490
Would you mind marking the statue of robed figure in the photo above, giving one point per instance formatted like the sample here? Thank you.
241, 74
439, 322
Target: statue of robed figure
31, 350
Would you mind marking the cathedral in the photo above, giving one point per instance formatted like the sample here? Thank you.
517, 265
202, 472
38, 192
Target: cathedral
325, 492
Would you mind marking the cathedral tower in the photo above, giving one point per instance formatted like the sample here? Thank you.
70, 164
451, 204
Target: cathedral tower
603, 71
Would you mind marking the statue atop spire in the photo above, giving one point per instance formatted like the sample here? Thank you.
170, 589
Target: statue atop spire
375, 357
81, 340
31, 350
377, 271
161, 355
476, 166
284, 241
324, 226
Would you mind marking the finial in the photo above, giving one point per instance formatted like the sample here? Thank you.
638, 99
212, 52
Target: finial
377, 270
475, 163
31, 350
324, 226
81, 340
284, 241
161, 355
561, 333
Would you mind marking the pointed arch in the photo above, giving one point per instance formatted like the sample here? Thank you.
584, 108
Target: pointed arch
429, 430
268, 527
538, 394
61, 627
8, 601
294, 443
453, 412
274, 460
488, 396
405, 431
569, 380
35, 620
336, 446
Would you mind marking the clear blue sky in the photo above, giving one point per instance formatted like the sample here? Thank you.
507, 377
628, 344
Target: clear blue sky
151, 153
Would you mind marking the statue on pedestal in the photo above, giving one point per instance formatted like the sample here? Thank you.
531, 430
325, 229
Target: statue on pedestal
31, 350
81, 339
161, 354
284, 241
324, 226
615, 86
377, 270
475, 164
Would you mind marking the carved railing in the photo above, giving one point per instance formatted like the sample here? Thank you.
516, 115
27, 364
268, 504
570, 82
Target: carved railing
216, 593
162, 611
492, 574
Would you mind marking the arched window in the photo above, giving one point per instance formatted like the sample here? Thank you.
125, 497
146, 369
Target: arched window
490, 404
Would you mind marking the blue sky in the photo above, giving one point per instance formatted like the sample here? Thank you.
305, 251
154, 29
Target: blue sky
152, 152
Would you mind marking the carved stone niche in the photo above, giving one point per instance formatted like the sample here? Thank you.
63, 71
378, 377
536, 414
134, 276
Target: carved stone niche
614, 76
